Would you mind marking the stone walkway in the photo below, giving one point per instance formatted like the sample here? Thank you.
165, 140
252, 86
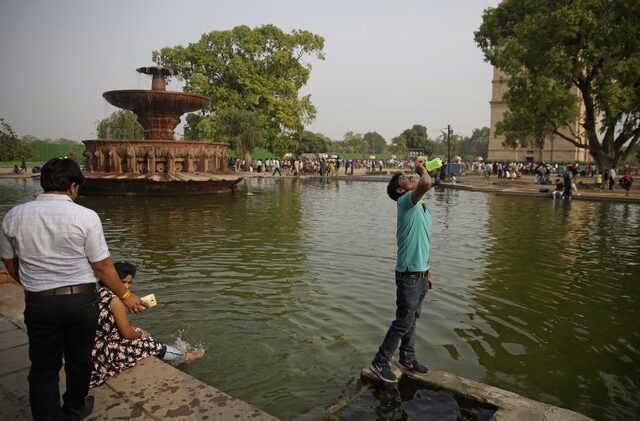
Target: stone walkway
152, 390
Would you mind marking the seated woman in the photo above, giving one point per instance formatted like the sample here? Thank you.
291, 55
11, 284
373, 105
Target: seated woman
118, 344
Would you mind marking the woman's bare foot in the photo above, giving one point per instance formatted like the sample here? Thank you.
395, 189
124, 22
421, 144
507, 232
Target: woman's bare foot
192, 356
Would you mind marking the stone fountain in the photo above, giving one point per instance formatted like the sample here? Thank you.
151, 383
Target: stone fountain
158, 164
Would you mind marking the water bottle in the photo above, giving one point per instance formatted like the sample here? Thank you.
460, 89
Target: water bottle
433, 164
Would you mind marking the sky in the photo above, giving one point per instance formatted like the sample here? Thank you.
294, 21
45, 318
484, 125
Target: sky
388, 65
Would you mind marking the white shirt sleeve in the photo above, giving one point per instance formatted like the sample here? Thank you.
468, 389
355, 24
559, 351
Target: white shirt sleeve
6, 248
95, 245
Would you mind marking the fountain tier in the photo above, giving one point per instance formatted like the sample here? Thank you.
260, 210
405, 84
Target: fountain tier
157, 165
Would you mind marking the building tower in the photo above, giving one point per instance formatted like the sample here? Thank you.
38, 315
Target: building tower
556, 149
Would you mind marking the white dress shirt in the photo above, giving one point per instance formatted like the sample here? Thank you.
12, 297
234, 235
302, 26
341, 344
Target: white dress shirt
54, 240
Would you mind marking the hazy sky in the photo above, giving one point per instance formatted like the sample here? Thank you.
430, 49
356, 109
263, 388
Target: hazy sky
389, 64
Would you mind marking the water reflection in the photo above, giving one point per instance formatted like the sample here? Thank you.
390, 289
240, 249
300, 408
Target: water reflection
289, 286
553, 311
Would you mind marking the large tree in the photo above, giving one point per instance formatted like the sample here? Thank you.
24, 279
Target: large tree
11, 147
313, 142
567, 61
375, 142
258, 70
121, 124
242, 129
416, 139
475, 145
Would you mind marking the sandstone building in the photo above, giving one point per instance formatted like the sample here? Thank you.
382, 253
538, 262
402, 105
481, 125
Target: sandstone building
555, 150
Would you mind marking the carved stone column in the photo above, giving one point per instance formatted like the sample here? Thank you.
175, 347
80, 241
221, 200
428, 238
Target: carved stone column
88, 161
101, 160
171, 165
132, 164
151, 161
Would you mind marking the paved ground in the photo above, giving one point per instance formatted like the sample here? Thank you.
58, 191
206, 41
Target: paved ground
152, 390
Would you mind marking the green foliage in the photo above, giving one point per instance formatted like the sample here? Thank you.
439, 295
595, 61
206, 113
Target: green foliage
257, 71
559, 54
11, 147
475, 145
242, 129
375, 143
354, 143
414, 139
44, 151
313, 142
122, 124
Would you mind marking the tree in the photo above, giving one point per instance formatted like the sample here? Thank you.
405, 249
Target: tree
313, 142
561, 56
11, 147
398, 146
475, 145
121, 124
242, 129
375, 142
415, 138
258, 70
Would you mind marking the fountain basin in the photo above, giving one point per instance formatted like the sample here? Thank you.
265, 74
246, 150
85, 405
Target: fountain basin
158, 111
185, 184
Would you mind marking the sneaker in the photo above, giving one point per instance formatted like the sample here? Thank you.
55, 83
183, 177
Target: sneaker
383, 372
414, 366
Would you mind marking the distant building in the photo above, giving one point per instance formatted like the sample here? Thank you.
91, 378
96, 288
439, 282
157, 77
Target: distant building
555, 150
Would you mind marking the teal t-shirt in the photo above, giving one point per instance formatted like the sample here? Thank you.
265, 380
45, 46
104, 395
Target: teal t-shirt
412, 235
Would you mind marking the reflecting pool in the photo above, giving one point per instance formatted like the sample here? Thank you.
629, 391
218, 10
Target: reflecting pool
288, 284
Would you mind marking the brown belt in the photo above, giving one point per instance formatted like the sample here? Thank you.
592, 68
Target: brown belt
425, 273
72, 289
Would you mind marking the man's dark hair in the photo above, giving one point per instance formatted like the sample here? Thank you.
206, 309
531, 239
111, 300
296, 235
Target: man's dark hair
59, 173
124, 269
392, 187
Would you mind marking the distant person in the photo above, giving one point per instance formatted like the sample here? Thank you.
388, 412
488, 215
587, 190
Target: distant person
119, 345
626, 182
412, 276
568, 188
276, 167
15, 170
612, 178
559, 190
54, 248
23, 166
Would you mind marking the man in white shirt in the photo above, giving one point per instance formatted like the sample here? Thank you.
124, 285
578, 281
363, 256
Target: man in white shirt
55, 248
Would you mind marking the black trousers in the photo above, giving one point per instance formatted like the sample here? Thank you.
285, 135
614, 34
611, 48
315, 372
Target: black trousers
60, 325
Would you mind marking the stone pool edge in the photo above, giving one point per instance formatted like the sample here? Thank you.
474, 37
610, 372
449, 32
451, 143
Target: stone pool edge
152, 390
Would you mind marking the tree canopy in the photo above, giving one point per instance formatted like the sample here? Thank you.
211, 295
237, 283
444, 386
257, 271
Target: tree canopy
11, 146
121, 124
568, 61
242, 129
415, 138
258, 71
313, 142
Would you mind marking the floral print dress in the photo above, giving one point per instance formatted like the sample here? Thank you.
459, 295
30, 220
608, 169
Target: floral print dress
111, 352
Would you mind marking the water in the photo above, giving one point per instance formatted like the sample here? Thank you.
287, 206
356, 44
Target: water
290, 289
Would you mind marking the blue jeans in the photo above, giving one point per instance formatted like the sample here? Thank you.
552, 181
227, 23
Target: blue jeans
410, 292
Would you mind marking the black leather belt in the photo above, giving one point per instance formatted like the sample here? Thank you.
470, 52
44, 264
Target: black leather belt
72, 289
425, 273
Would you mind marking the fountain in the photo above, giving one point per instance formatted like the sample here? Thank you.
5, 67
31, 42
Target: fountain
158, 164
